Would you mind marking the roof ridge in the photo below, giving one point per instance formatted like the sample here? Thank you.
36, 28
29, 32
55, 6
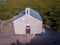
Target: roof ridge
30, 12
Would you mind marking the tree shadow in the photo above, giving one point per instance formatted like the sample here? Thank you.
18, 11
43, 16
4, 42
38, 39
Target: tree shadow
45, 38
17, 43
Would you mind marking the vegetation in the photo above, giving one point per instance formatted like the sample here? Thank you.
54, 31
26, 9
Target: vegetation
49, 10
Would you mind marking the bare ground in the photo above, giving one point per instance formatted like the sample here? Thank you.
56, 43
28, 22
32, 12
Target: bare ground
7, 36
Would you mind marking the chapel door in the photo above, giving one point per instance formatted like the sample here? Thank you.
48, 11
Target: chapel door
28, 30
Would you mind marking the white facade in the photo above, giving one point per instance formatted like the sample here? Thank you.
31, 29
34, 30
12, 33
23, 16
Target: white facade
27, 24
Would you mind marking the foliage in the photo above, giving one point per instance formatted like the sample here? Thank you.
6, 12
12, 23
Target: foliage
49, 10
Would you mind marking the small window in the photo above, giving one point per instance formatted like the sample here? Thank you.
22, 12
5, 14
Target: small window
27, 12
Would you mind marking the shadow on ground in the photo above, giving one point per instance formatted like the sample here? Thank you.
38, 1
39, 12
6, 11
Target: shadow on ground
49, 37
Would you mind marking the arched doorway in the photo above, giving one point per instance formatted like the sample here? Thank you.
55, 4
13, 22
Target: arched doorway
28, 29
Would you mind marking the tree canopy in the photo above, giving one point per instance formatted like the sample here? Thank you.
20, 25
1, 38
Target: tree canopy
49, 10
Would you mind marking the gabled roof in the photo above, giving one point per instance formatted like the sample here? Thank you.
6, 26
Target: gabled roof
30, 12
